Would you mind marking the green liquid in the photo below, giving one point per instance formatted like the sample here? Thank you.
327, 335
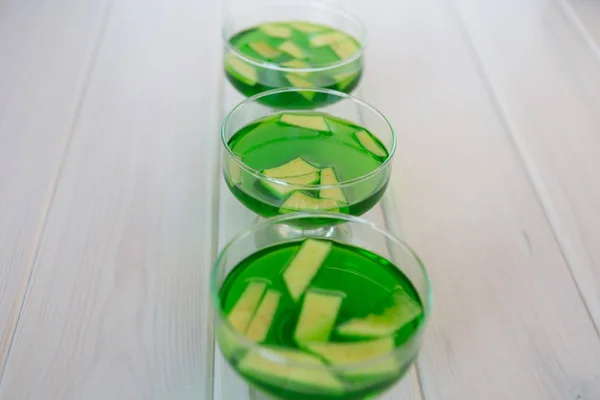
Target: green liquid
334, 76
366, 279
268, 143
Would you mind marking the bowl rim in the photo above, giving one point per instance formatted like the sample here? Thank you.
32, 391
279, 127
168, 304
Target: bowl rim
259, 175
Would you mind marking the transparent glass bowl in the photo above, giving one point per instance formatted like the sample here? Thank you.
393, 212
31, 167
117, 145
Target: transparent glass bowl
362, 192
270, 75
362, 234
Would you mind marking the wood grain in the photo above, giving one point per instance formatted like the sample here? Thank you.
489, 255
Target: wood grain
508, 320
118, 305
548, 91
45, 51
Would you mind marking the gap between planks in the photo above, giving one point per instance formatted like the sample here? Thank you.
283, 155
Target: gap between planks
216, 199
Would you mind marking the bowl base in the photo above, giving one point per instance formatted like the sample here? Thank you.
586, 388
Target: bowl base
286, 232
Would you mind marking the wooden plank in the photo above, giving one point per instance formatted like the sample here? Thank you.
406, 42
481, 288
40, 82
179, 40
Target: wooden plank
45, 50
550, 98
118, 306
508, 320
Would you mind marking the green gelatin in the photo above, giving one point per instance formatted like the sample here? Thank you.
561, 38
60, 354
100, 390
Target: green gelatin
295, 45
306, 149
300, 353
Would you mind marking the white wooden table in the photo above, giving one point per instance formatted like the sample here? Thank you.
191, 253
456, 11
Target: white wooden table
112, 208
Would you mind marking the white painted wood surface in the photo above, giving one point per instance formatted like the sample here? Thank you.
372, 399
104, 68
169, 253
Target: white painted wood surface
547, 89
45, 56
583, 15
117, 306
112, 207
